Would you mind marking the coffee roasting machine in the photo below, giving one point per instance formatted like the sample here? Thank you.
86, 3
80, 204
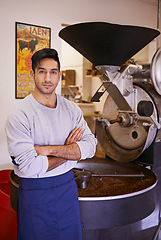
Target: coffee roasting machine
128, 131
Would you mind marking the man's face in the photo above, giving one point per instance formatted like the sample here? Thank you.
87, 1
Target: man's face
46, 76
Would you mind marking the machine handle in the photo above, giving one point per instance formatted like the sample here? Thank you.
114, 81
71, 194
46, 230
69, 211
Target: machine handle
117, 120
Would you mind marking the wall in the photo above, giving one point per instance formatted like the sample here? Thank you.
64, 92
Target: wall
51, 13
74, 62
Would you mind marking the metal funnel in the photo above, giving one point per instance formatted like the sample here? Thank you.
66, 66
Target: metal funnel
104, 43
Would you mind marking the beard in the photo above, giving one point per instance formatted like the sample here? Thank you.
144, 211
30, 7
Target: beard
45, 88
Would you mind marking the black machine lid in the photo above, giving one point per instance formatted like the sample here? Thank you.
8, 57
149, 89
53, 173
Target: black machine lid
104, 43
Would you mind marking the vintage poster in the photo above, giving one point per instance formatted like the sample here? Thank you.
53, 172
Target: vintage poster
29, 39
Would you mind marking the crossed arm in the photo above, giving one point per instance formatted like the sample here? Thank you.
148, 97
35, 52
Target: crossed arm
59, 154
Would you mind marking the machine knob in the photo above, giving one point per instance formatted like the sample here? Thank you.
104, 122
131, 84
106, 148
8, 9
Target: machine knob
145, 108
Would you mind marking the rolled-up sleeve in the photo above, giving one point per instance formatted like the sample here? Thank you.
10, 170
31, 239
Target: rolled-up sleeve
21, 148
88, 142
87, 147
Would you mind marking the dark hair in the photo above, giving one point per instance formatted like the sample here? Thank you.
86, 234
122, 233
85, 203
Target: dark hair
44, 53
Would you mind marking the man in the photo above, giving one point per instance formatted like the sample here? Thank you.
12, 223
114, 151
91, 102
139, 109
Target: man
47, 135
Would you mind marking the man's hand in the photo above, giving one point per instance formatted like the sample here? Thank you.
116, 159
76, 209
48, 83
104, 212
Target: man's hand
55, 162
74, 136
42, 150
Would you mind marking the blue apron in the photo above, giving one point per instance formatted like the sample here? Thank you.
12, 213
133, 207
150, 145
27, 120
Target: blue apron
48, 209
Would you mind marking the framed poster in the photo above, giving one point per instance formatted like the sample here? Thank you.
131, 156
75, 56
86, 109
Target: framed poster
29, 39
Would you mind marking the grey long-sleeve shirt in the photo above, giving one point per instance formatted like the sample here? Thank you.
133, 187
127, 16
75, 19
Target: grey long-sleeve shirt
34, 124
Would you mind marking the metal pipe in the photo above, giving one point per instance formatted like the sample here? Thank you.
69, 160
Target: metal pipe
117, 175
107, 175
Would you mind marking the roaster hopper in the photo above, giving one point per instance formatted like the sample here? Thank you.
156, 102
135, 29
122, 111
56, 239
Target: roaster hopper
129, 130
